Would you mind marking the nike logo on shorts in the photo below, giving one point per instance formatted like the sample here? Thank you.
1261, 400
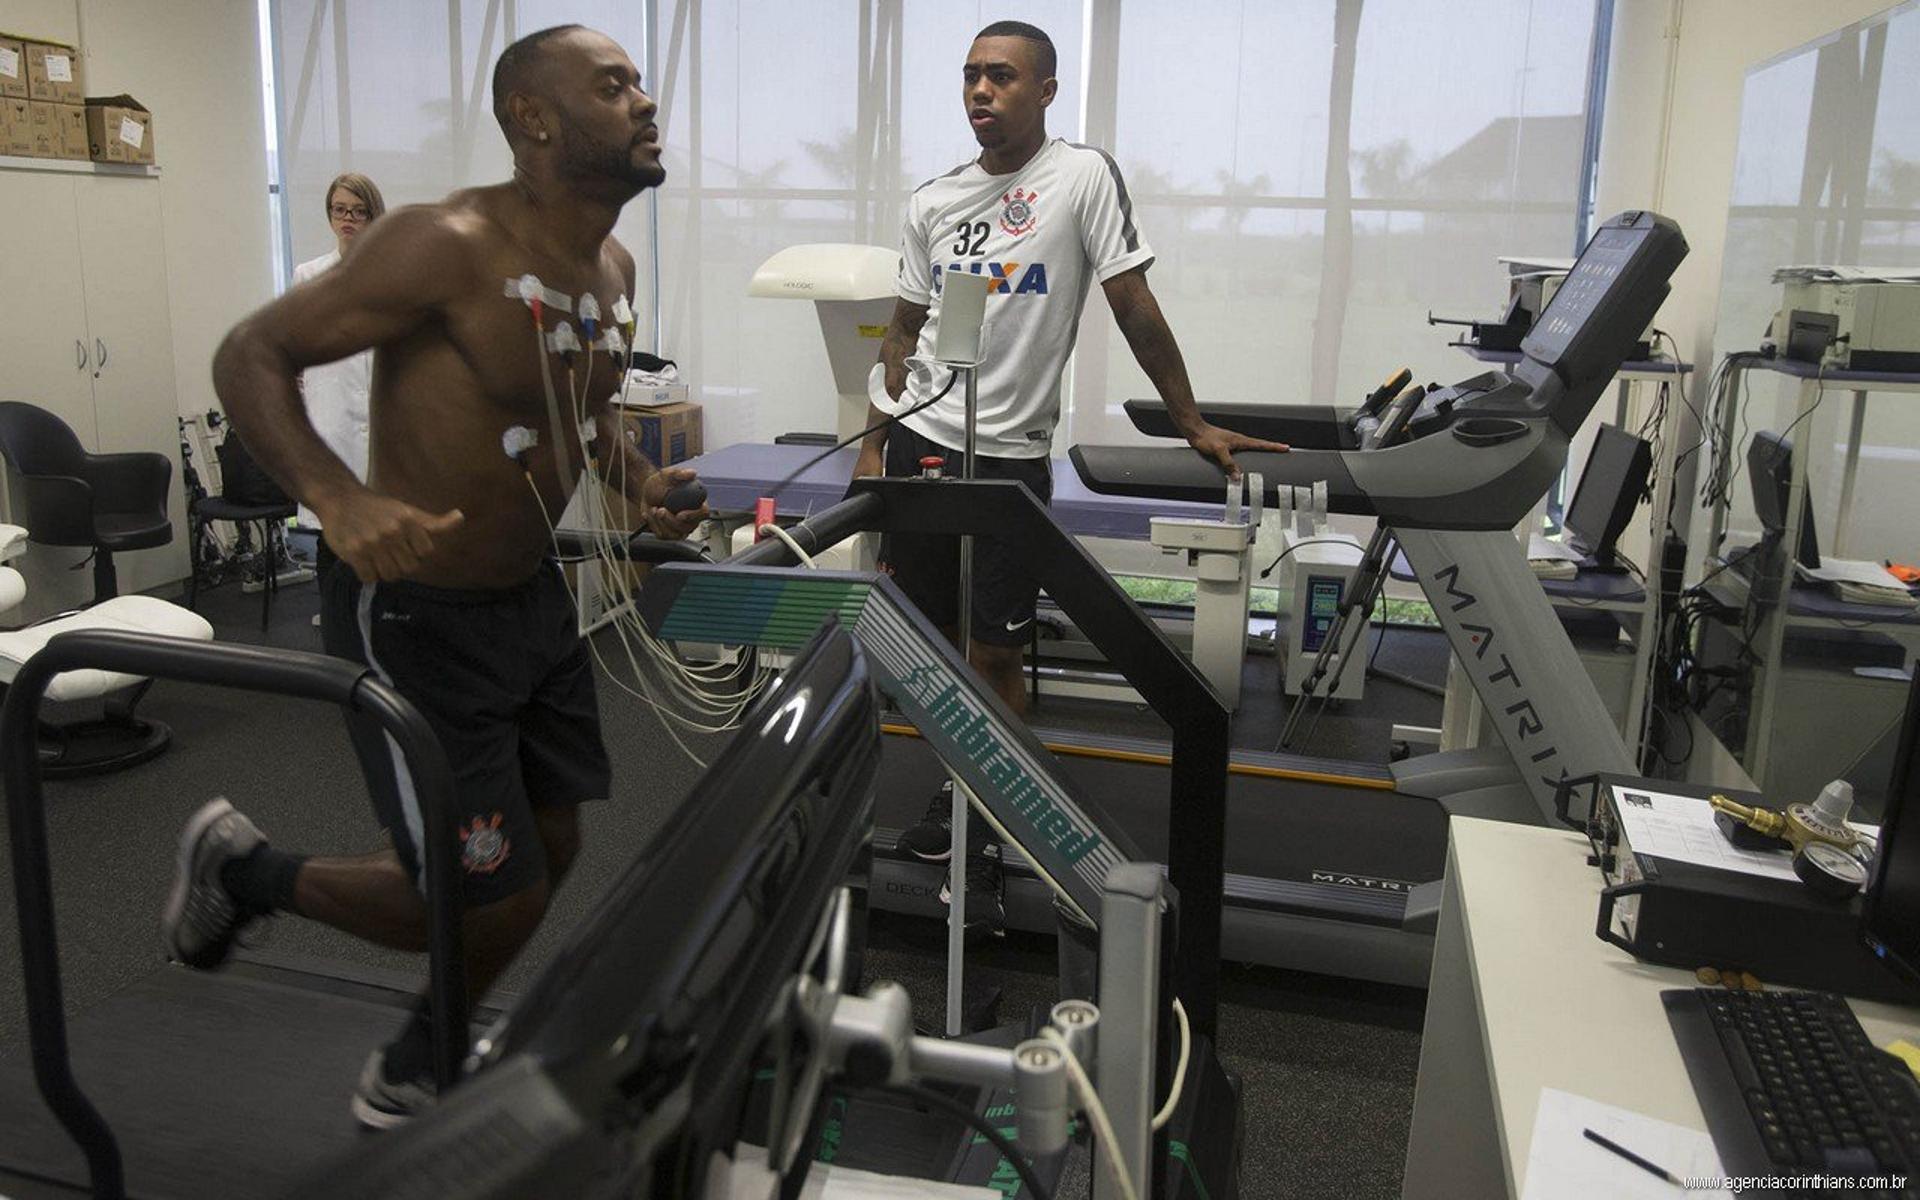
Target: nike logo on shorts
1015, 626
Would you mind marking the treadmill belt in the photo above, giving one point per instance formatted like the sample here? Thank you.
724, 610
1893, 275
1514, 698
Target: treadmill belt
216, 1085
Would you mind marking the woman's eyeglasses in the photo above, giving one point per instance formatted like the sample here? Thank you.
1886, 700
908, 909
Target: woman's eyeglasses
344, 212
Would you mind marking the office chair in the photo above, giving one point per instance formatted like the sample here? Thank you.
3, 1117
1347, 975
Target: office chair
109, 502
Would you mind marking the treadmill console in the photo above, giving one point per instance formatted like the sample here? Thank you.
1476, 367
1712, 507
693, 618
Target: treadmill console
1608, 299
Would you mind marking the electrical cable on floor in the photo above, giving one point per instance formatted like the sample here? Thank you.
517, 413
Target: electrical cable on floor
1022, 1165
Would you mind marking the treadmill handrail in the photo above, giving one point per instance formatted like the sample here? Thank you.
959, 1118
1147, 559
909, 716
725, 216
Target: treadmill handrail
292, 673
1302, 426
1165, 678
639, 547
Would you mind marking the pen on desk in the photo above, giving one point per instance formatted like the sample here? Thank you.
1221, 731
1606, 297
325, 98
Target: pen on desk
1631, 1157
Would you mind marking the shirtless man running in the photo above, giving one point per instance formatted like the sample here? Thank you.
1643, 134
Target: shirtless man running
452, 597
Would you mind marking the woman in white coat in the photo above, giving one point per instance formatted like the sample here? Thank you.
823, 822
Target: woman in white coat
336, 393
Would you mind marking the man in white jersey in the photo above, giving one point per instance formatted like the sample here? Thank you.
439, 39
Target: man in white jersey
1043, 218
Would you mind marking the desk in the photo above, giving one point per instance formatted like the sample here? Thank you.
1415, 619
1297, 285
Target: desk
1776, 601
1524, 996
740, 474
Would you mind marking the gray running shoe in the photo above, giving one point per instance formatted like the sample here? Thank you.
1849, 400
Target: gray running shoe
202, 919
382, 1103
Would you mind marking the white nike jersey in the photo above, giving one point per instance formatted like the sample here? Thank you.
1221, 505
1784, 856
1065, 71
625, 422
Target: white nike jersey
1043, 233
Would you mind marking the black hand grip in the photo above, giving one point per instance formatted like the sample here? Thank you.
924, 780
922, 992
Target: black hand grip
683, 497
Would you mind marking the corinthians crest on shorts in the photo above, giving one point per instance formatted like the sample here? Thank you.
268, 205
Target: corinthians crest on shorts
1016, 211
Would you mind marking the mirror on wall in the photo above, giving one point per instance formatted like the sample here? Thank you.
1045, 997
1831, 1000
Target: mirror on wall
1827, 172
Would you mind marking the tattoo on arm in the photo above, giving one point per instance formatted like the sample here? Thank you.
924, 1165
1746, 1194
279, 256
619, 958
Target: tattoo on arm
1145, 327
903, 334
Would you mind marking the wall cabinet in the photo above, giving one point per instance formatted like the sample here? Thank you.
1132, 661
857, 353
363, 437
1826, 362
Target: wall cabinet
86, 333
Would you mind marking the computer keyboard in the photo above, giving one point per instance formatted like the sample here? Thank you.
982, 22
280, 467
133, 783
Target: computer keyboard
1790, 1084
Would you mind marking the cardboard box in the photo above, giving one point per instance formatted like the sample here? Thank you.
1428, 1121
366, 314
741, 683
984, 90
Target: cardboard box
43, 125
72, 122
119, 130
53, 72
666, 433
16, 127
13, 69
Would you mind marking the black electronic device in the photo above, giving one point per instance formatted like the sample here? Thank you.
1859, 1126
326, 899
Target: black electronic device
625, 1067
1506, 334
1610, 488
1789, 1081
1809, 334
1684, 914
1770, 475
1890, 912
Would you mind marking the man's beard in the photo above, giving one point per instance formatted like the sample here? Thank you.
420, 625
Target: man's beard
583, 158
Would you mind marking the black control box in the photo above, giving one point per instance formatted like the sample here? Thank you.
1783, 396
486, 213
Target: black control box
1684, 914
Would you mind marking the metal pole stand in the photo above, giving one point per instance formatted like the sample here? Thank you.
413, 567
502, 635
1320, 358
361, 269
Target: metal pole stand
957, 864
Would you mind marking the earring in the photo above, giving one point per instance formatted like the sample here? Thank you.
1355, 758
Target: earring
543, 135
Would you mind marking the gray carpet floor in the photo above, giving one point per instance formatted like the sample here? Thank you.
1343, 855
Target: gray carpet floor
1328, 1066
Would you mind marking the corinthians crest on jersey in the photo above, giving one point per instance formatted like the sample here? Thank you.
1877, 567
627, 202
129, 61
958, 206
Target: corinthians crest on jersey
1016, 211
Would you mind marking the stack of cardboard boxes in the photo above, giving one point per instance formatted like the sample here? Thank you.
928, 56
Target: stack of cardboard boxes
46, 113
663, 423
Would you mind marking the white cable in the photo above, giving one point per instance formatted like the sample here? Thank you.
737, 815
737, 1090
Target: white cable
716, 695
1179, 1072
726, 709
783, 535
1096, 1113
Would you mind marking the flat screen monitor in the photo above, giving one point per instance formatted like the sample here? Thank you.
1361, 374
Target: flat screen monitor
1770, 476
1890, 917
1610, 487
626, 1067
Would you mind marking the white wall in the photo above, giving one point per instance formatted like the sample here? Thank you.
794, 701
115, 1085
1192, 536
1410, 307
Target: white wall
55, 20
197, 66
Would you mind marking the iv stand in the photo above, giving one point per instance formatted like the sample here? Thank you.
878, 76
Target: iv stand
957, 346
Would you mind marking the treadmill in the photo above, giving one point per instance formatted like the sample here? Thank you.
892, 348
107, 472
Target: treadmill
700, 1035
1332, 866
215, 1083
1449, 472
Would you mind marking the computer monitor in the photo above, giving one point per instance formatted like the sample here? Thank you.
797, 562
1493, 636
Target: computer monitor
1890, 915
1610, 487
627, 1066
1770, 476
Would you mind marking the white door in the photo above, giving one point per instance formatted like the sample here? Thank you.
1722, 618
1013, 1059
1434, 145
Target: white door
47, 358
123, 261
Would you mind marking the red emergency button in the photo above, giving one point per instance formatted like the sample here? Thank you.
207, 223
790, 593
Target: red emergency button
931, 466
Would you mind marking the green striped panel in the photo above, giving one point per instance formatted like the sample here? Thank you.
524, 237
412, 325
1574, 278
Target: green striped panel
763, 608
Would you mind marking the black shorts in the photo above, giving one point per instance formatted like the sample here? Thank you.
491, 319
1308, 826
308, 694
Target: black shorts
506, 682
927, 566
